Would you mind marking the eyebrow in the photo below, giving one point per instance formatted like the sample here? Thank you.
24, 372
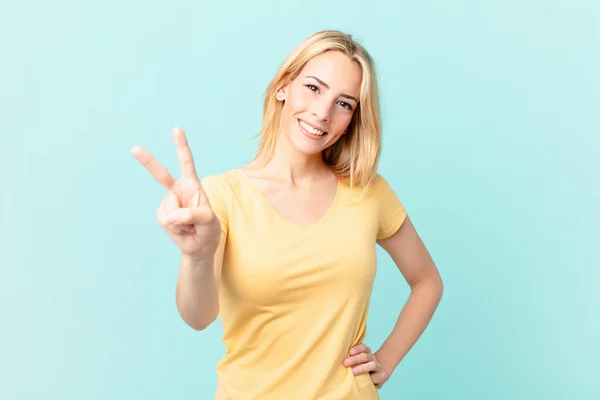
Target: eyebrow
327, 86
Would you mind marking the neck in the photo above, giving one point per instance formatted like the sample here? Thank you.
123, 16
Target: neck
294, 166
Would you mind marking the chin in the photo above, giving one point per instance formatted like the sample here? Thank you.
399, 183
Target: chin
307, 149
306, 142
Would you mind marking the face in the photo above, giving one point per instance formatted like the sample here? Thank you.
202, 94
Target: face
319, 104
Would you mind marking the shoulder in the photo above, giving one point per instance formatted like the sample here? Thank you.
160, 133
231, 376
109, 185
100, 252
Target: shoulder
380, 183
373, 191
226, 186
224, 181
382, 189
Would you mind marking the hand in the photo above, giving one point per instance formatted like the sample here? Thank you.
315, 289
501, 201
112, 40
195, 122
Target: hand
362, 360
184, 212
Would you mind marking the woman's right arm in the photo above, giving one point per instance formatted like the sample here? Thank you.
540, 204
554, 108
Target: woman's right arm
197, 293
190, 221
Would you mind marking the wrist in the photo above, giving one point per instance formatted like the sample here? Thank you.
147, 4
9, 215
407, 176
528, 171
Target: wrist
198, 258
387, 364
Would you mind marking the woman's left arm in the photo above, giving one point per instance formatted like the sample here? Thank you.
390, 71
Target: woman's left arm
416, 265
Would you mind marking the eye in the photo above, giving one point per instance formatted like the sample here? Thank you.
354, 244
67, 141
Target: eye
347, 106
312, 87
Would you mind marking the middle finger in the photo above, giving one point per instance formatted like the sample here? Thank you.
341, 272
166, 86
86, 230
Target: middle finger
186, 159
364, 368
357, 359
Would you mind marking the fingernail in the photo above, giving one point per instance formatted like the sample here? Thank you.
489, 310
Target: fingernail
172, 217
354, 371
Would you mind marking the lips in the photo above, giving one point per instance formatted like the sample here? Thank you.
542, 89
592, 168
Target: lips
311, 129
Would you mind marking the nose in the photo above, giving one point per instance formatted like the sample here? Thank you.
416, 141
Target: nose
321, 108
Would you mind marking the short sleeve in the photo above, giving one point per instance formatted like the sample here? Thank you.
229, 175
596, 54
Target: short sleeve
217, 197
390, 210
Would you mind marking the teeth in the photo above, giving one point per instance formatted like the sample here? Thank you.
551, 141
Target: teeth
311, 129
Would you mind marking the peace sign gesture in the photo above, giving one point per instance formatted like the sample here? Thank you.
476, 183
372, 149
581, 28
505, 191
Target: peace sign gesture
184, 212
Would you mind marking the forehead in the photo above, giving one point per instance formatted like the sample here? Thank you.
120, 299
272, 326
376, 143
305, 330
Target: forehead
337, 70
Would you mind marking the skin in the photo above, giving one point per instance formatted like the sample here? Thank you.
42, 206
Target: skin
296, 181
301, 188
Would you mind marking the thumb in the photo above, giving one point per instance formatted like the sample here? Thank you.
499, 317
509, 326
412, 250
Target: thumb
195, 216
195, 200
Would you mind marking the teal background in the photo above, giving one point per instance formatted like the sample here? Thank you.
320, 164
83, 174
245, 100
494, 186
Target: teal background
491, 122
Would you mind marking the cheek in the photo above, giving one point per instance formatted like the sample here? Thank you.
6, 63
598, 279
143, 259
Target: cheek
342, 122
299, 101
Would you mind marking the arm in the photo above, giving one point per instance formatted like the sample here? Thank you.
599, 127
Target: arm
191, 221
416, 265
197, 292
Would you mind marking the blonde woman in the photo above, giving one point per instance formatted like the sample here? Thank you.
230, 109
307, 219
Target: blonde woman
284, 248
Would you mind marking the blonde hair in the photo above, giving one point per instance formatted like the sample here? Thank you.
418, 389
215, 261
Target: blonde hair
355, 156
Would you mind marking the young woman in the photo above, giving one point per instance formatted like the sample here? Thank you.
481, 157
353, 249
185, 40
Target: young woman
284, 248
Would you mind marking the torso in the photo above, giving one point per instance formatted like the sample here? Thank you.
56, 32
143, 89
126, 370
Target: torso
298, 271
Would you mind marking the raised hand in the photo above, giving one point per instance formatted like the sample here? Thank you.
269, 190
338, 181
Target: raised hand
185, 211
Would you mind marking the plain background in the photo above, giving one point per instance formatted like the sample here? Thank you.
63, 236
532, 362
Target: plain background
491, 123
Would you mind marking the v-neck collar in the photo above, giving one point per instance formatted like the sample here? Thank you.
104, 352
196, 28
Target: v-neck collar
278, 215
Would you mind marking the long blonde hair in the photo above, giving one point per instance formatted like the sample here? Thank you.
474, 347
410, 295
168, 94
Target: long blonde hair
354, 158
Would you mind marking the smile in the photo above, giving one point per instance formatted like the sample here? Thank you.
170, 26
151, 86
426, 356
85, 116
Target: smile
311, 130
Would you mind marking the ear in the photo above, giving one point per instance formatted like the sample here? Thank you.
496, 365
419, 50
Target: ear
281, 93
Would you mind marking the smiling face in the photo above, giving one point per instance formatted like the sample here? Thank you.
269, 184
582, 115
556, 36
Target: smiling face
320, 102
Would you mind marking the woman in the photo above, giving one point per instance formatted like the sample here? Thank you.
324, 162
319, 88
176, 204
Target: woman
284, 249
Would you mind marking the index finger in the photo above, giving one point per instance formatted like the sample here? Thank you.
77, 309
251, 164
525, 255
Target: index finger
158, 171
184, 153
360, 348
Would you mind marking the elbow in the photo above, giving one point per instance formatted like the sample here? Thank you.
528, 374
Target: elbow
200, 324
432, 283
440, 288
438, 285
196, 319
